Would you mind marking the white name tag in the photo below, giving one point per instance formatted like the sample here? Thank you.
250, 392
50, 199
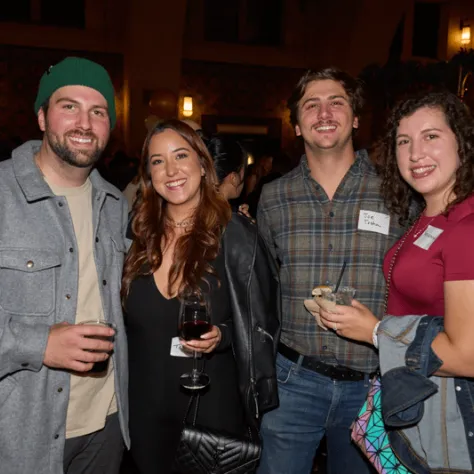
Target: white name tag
426, 239
374, 222
177, 350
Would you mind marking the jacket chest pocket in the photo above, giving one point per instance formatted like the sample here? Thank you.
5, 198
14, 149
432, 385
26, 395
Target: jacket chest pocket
118, 250
111, 256
28, 283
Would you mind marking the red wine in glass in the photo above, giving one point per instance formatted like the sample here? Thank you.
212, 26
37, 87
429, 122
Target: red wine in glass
194, 321
194, 329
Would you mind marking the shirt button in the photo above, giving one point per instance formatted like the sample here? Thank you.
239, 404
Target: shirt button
60, 204
56, 436
68, 296
25, 364
104, 282
30, 264
470, 434
458, 388
331, 214
325, 348
328, 282
60, 389
97, 239
71, 249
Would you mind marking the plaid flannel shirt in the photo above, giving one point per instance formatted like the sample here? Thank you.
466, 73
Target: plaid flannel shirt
311, 236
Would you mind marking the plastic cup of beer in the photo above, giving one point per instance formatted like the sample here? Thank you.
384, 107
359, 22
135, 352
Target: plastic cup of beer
102, 366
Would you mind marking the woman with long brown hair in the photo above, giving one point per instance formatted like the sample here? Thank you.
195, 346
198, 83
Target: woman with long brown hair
186, 242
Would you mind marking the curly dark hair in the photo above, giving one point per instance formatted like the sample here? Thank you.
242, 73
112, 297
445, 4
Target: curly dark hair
352, 86
402, 199
195, 250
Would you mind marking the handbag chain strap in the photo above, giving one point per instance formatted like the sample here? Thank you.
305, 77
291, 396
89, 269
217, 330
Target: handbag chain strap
196, 398
192, 398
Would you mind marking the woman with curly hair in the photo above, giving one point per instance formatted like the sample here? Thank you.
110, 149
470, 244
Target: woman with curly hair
187, 242
427, 163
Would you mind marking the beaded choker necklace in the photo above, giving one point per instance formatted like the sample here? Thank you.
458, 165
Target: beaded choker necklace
183, 223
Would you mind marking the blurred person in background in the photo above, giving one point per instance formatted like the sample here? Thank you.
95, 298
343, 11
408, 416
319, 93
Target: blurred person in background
256, 172
281, 165
230, 162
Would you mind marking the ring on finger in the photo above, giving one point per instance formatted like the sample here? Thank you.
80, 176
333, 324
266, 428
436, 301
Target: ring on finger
335, 327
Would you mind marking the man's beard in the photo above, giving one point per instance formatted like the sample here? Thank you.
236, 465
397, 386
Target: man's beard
77, 158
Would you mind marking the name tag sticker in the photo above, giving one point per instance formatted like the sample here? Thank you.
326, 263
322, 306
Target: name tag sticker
374, 222
177, 350
426, 239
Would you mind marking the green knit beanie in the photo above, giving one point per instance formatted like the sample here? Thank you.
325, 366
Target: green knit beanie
77, 72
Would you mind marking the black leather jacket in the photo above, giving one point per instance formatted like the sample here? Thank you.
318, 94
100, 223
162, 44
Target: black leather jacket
254, 290
254, 328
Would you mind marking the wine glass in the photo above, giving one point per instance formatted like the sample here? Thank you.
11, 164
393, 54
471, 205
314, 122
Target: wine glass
194, 321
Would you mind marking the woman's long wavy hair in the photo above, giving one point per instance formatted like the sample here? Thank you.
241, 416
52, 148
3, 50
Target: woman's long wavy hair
194, 250
402, 199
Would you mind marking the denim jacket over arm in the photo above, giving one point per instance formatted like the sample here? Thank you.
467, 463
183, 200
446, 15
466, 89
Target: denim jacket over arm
38, 288
428, 418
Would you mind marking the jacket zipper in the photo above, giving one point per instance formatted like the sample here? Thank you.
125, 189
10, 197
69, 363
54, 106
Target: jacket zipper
253, 383
263, 332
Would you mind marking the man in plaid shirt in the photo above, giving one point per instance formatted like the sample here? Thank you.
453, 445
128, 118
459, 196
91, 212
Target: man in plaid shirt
325, 212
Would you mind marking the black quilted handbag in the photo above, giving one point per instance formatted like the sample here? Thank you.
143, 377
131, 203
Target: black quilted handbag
205, 451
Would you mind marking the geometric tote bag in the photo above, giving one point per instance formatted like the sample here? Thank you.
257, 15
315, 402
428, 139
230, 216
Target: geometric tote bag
368, 432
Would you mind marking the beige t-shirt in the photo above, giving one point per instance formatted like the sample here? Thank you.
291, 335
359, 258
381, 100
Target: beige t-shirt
92, 398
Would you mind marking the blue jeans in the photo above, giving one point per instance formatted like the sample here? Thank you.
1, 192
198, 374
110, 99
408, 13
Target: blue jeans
312, 405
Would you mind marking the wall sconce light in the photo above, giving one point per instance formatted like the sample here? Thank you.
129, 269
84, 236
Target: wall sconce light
187, 106
465, 33
250, 159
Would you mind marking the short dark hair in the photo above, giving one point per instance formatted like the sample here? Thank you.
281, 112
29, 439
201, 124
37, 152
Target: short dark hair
352, 86
45, 106
398, 195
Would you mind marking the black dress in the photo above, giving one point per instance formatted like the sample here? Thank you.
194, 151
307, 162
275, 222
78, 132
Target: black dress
157, 402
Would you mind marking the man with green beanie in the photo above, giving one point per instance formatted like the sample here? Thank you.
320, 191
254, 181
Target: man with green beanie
63, 354
80, 72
